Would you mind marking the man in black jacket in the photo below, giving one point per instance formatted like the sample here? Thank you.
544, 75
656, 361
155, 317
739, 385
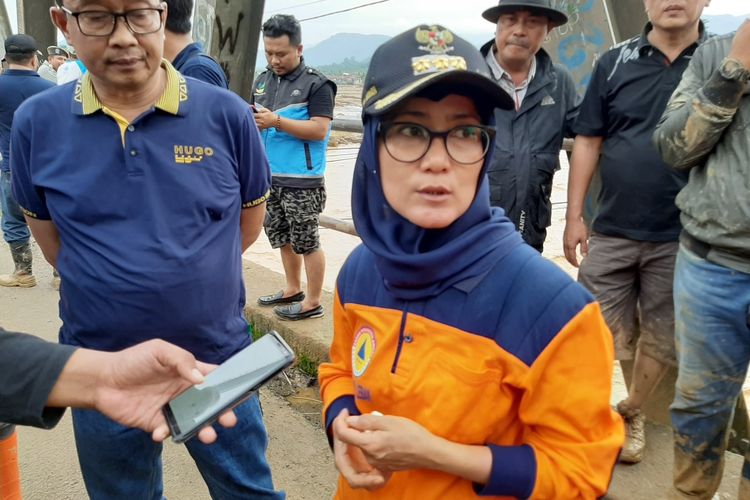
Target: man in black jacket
529, 138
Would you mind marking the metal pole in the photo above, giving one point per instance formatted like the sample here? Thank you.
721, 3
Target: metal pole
235, 41
339, 225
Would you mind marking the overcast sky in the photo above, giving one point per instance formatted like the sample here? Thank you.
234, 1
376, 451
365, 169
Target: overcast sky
395, 16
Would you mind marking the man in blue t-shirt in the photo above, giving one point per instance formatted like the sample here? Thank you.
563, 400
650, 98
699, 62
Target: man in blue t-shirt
19, 82
186, 55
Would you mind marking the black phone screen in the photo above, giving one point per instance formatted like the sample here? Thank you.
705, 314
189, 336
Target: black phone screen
230, 383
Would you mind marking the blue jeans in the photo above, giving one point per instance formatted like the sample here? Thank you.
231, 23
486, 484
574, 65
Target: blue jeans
14, 225
125, 464
713, 351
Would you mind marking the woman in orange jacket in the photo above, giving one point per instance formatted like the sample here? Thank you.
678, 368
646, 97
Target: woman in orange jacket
463, 364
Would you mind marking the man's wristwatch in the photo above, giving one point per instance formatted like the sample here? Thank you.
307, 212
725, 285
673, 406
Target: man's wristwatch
732, 69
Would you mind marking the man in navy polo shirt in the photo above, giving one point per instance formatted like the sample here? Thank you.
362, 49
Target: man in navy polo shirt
144, 188
19, 82
629, 258
186, 55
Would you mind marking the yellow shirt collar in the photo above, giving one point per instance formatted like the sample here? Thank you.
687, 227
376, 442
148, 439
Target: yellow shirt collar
174, 93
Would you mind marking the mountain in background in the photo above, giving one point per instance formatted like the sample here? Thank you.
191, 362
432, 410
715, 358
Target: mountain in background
342, 46
350, 52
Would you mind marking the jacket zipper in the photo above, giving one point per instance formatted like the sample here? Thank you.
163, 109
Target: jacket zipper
400, 341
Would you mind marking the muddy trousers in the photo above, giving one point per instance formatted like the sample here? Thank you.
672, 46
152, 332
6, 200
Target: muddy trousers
713, 350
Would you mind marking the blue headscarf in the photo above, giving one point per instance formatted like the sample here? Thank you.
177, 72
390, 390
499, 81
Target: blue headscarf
418, 263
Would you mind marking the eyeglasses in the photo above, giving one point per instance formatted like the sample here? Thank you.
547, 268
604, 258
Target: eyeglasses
409, 142
103, 23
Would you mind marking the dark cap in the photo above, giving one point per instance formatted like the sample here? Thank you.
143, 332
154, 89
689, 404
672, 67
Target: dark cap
423, 56
20, 45
542, 7
54, 50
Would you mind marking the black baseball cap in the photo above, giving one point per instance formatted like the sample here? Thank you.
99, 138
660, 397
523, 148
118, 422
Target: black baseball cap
421, 57
541, 7
20, 45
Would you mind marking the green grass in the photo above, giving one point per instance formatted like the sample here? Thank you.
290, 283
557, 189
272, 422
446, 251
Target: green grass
307, 365
254, 332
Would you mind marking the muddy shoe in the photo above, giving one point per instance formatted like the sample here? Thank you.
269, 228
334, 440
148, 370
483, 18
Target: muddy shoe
635, 434
22, 280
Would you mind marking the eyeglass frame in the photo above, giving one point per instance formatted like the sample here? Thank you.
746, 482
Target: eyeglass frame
115, 17
384, 127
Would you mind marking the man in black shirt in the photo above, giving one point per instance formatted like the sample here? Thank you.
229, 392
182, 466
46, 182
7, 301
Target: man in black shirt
629, 258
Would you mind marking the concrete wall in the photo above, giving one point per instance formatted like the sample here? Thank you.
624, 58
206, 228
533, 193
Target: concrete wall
4, 26
34, 20
593, 27
234, 42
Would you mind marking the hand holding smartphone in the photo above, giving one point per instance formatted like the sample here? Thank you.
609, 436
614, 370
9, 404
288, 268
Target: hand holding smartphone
227, 386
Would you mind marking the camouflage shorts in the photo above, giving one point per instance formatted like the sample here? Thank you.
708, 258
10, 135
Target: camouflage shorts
293, 217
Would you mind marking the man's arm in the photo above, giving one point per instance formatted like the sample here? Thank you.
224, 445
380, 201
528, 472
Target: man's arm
251, 223
46, 235
583, 165
30, 367
314, 129
702, 107
591, 127
320, 106
39, 379
132, 386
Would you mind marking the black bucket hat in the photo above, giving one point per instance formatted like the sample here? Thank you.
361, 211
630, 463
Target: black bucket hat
543, 7
421, 57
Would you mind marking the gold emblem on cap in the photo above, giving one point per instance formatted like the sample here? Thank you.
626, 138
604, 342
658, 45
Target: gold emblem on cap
437, 42
371, 92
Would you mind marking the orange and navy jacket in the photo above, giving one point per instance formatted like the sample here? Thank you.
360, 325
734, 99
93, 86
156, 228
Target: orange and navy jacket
519, 360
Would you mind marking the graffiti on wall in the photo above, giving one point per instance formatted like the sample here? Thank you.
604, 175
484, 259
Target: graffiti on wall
203, 23
228, 29
579, 43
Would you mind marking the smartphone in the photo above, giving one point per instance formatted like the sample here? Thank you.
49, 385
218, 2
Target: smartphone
233, 382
